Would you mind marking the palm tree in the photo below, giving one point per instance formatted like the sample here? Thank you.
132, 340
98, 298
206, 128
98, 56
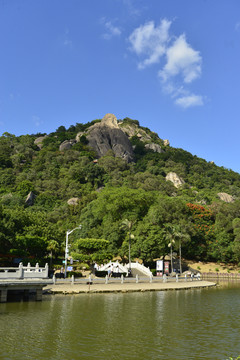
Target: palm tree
182, 237
170, 237
53, 247
175, 234
127, 226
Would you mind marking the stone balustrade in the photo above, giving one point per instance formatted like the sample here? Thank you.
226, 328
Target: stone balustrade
143, 269
24, 272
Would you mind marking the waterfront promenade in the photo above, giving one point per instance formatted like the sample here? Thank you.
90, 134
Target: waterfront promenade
67, 287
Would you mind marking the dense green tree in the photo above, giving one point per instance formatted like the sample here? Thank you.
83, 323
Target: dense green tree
91, 250
110, 190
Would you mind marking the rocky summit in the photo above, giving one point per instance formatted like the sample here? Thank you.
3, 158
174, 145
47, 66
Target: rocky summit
106, 135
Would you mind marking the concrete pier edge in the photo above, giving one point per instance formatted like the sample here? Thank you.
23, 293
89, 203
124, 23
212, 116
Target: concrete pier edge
66, 289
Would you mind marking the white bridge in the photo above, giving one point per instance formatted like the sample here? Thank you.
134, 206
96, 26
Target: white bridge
24, 272
23, 278
136, 268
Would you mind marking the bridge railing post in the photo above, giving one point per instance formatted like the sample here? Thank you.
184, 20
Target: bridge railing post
46, 270
21, 275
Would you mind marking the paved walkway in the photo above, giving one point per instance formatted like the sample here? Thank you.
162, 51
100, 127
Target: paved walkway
68, 288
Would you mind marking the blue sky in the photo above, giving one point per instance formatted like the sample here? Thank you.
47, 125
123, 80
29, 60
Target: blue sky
171, 64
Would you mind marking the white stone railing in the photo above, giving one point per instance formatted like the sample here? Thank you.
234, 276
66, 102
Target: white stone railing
143, 269
122, 268
24, 272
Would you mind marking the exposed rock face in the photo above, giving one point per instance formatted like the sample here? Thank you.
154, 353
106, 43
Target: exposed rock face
67, 144
154, 147
175, 179
107, 135
226, 197
79, 135
166, 142
30, 199
39, 141
134, 130
73, 201
110, 120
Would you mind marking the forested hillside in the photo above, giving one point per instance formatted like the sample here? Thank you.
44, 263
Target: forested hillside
53, 182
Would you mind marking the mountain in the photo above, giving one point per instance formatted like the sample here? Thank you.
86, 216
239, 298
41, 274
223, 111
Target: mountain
103, 172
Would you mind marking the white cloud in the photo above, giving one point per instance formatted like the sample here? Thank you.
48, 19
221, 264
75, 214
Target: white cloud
150, 42
237, 26
36, 120
181, 64
131, 8
111, 30
175, 90
66, 41
182, 59
190, 100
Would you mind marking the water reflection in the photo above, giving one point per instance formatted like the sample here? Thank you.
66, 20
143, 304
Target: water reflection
191, 324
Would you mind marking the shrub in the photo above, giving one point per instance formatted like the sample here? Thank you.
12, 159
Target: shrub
75, 273
154, 272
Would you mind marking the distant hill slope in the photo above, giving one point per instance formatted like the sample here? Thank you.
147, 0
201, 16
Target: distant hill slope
104, 171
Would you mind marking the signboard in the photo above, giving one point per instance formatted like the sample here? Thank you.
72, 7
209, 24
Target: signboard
166, 267
159, 265
69, 268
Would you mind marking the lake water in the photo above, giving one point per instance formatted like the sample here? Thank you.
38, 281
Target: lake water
187, 324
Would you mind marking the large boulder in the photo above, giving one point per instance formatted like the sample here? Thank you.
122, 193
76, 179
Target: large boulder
110, 120
166, 142
107, 135
67, 144
175, 179
155, 147
73, 201
226, 197
39, 141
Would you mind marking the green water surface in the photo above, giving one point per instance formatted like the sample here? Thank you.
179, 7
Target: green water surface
186, 324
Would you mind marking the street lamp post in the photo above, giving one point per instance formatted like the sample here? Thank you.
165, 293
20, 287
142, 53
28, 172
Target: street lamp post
172, 242
68, 232
131, 237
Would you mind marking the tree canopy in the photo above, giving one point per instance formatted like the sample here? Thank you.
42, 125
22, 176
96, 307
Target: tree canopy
109, 190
